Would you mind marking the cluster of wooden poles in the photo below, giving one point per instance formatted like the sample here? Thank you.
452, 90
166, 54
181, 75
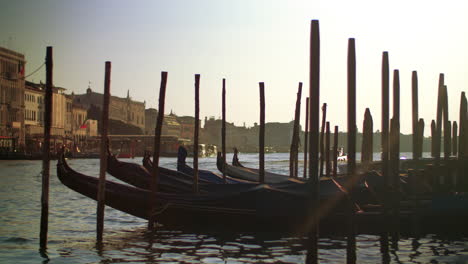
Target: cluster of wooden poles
315, 142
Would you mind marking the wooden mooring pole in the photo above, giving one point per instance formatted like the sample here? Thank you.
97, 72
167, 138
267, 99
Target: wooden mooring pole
103, 162
335, 152
414, 93
351, 107
447, 124
156, 151
420, 137
322, 134
396, 118
261, 144
294, 151
327, 150
440, 102
314, 95
46, 150
385, 117
196, 134
395, 154
367, 139
306, 137
462, 141
433, 138
223, 128
351, 122
454, 138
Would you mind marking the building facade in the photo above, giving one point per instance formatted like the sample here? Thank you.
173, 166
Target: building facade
12, 65
187, 127
151, 115
120, 109
33, 110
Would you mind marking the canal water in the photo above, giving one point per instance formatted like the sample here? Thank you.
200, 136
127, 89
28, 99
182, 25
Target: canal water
72, 223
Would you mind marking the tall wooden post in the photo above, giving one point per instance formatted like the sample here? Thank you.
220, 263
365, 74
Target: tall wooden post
433, 138
197, 129
385, 116
462, 143
223, 128
351, 107
440, 103
294, 150
335, 152
156, 151
455, 138
446, 123
394, 173
351, 236
262, 135
327, 150
448, 139
322, 133
46, 151
306, 137
367, 139
314, 95
420, 136
103, 164
396, 118
414, 90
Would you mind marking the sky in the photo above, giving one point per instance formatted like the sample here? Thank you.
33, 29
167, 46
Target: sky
246, 42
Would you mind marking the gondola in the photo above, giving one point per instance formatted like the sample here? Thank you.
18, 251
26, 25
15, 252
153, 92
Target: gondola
168, 180
250, 174
202, 174
261, 208
360, 191
258, 206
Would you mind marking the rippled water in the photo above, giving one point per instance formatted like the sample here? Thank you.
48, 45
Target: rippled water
72, 229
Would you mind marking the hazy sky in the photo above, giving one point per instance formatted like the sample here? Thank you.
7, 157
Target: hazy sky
246, 42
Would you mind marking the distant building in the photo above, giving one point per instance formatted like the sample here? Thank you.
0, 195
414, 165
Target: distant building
12, 67
187, 127
80, 115
34, 107
151, 116
171, 127
277, 135
124, 110
68, 126
33, 110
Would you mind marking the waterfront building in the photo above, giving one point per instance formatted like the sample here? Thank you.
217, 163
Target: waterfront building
122, 110
171, 127
151, 115
68, 126
187, 127
34, 107
12, 67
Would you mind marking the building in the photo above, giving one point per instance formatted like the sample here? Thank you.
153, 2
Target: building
61, 130
12, 67
187, 127
171, 127
151, 115
123, 110
68, 126
278, 136
33, 116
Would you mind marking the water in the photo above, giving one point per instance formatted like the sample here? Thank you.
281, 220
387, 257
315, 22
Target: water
72, 229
